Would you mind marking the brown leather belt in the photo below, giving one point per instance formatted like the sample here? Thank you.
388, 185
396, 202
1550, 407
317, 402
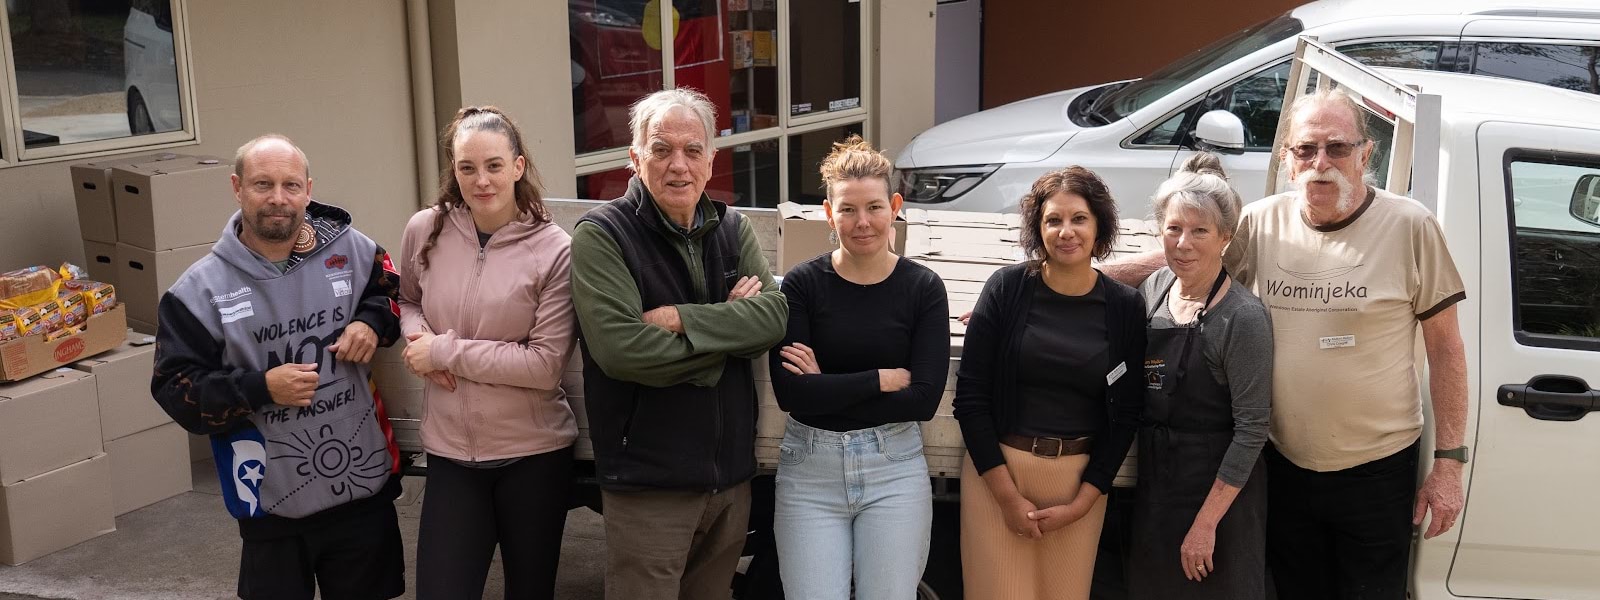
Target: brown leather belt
1048, 447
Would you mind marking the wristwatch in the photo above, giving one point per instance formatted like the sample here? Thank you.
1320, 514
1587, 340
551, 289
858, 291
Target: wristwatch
1459, 454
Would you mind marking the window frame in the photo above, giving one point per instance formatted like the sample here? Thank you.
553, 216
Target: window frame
1521, 335
590, 163
13, 150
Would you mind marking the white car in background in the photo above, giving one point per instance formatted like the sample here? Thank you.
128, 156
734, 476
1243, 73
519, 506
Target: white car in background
151, 69
1227, 96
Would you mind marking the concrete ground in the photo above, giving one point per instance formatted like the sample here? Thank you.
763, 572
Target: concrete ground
187, 548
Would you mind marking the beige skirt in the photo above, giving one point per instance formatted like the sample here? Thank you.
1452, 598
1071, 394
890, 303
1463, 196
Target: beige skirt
997, 564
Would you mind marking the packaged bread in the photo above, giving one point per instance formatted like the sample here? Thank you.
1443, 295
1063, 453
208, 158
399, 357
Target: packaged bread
9, 330
74, 310
39, 319
27, 287
97, 297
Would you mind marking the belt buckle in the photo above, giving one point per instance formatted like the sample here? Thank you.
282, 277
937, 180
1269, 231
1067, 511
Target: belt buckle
1060, 445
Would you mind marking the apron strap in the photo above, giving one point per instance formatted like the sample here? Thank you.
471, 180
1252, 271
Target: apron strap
1199, 318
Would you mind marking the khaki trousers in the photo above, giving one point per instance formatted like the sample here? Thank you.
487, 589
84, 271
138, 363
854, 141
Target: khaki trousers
662, 545
996, 564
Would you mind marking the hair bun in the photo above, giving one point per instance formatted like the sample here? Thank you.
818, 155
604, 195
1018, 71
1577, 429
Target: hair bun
1204, 163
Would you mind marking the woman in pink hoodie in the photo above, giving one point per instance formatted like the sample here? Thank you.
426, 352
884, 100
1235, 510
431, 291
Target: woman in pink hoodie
486, 305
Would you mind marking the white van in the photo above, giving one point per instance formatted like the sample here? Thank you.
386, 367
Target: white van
1134, 133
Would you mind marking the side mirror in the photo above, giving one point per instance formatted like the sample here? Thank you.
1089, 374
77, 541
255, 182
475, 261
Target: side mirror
1220, 131
1585, 205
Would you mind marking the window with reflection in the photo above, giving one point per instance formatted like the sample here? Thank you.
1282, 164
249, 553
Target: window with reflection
1406, 55
824, 56
746, 175
1555, 209
616, 60
1562, 66
806, 152
89, 71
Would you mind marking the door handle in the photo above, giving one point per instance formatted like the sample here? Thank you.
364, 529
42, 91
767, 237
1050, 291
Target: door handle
1551, 397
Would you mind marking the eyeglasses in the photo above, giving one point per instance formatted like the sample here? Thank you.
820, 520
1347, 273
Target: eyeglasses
1334, 149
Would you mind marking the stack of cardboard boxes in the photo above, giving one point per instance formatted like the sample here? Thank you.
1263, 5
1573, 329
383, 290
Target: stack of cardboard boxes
54, 475
148, 453
145, 219
82, 445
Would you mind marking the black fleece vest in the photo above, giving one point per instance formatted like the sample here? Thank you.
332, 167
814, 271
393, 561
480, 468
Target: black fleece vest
684, 436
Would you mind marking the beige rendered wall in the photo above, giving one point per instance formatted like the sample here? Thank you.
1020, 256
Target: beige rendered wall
512, 54
904, 71
1033, 47
331, 75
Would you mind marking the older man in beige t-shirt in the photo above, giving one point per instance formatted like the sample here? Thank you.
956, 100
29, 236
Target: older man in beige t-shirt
1348, 272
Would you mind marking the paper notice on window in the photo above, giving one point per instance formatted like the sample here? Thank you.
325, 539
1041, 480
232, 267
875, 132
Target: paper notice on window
845, 104
800, 109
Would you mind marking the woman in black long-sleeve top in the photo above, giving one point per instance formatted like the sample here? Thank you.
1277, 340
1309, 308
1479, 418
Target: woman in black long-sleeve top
1048, 395
864, 359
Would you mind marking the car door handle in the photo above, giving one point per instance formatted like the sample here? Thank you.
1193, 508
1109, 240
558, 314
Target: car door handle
1551, 397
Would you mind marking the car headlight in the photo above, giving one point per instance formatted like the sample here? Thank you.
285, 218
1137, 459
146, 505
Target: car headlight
941, 184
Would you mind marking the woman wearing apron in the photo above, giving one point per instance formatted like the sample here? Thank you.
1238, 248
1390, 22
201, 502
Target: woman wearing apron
1199, 520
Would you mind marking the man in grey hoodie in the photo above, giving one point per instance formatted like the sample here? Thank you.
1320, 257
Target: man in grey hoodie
264, 346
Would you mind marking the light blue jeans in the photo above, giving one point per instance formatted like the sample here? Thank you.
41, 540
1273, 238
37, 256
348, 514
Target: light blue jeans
858, 501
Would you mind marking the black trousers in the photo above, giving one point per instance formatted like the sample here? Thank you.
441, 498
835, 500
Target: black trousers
357, 557
466, 512
1341, 535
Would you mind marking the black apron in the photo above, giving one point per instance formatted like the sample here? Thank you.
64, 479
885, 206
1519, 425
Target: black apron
1186, 430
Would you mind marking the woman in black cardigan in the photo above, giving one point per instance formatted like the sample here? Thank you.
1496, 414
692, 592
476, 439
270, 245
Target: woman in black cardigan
1049, 395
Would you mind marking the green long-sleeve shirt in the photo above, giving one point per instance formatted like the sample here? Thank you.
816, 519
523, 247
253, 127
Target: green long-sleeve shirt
626, 348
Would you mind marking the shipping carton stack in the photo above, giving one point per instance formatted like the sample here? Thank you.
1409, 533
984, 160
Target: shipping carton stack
55, 479
168, 214
148, 453
97, 213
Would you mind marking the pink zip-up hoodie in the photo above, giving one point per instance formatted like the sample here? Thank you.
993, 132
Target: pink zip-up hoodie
505, 327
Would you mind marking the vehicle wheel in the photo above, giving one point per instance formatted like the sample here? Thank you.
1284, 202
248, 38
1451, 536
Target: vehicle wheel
138, 115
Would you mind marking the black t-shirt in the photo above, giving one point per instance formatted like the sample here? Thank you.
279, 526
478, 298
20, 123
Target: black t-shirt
1061, 375
900, 322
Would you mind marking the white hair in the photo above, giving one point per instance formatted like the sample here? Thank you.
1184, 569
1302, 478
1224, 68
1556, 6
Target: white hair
650, 109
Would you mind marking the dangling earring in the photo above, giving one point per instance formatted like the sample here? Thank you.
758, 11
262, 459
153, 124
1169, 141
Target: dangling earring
833, 237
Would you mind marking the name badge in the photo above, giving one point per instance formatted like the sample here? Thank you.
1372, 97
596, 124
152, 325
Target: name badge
1337, 341
1116, 373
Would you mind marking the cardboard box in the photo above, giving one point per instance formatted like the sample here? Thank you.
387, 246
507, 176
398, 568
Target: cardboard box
91, 188
55, 510
172, 203
31, 355
46, 423
803, 234
148, 467
765, 49
122, 378
144, 275
100, 258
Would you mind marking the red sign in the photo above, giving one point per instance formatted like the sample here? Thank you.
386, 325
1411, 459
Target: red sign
69, 349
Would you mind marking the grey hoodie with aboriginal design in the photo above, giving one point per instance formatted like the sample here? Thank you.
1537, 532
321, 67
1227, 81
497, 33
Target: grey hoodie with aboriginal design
233, 316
